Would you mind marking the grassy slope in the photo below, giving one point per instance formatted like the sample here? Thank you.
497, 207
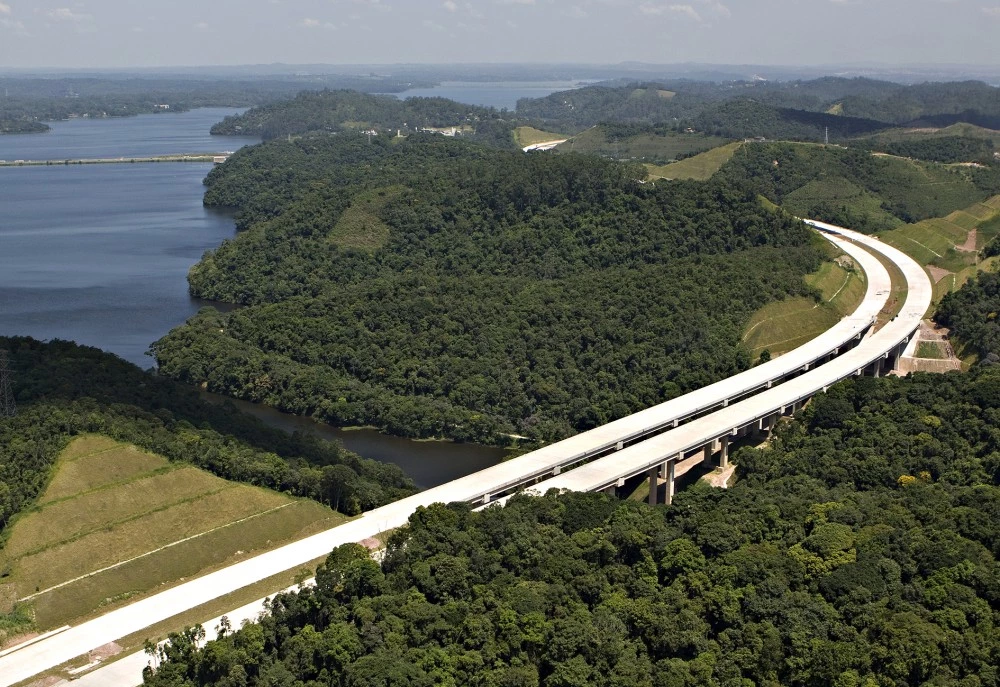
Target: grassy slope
360, 227
937, 243
780, 327
960, 129
529, 135
700, 167
110, 504
649, 147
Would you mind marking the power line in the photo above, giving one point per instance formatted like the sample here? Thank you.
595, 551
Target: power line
7, 406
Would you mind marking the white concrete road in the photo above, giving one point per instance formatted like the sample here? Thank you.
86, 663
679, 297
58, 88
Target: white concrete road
696, 434
75, 641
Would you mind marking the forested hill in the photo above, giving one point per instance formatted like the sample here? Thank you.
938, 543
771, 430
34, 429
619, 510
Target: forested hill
860, 549
344, 110
433, 287
798, 110
63, 390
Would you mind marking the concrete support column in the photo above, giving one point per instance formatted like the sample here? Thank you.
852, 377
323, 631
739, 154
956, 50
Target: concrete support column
724, 451
707, 454
654, 484
670, 481
620, 445
610, 491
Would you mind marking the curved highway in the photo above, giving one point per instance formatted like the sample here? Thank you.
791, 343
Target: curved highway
30, 659
669, 447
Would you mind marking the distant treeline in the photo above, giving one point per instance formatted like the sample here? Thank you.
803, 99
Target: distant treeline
841, 109
28, 102
346, 110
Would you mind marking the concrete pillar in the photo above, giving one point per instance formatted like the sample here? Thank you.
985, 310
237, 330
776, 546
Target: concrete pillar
707, 454
654, 484
620, 445
724, 452
486, 499
610, 491
556, 470
670, 481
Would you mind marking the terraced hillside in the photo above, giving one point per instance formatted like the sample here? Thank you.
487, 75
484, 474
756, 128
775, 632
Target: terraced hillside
116, 522
950, 246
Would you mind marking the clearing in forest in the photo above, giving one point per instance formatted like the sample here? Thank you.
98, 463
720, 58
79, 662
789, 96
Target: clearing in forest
949, 247
783, 326
700, 167
116, 522
529, 136
649, 147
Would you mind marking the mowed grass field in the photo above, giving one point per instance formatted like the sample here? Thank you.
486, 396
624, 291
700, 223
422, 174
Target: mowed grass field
700, 167
647, 147
529, 136
117, 522
781, 327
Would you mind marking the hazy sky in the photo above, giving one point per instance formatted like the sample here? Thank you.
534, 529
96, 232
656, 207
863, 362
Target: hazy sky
123, 33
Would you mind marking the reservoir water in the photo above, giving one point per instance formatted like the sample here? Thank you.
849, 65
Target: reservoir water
99, 254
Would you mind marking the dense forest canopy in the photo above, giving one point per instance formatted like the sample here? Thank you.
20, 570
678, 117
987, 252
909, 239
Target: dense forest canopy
432, 287
63, 390
971, 315
860, 548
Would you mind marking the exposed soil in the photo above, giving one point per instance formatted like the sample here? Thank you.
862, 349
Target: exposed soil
938, 273
106, 651
17, 639
970, 242
929, 331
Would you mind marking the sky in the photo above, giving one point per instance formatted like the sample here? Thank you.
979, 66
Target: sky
142, 33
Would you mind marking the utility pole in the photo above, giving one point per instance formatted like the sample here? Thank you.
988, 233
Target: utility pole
7, 406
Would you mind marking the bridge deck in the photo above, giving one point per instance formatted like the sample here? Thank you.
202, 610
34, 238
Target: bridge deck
75, 641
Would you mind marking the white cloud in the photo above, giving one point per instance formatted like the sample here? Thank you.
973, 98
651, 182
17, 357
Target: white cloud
4, 9
13, 25
450, 5
432, 25
309, 23
201, 26
698, 13
992, 12
66, 14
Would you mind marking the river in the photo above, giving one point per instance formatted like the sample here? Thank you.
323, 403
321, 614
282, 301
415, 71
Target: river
99, 254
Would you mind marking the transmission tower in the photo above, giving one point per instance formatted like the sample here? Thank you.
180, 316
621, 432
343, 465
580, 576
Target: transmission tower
7, 406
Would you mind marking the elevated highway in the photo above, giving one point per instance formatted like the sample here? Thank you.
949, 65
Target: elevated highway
711, 434
781, 382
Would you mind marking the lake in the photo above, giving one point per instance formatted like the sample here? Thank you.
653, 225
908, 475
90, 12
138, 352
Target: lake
99, 254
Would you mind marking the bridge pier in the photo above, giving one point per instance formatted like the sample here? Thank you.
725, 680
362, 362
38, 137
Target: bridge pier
707, 454
670, 486
724, 451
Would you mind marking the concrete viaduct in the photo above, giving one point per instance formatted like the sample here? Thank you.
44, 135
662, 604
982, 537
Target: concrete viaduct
649, 442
